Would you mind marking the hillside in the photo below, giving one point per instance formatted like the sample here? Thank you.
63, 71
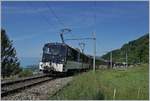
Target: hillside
137, 51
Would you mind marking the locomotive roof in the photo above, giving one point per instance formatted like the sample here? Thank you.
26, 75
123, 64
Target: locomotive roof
56, 43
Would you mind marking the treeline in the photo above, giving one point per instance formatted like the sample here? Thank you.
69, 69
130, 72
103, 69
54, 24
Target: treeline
137, 51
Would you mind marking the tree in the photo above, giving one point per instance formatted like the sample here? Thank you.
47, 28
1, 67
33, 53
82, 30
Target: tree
10, 64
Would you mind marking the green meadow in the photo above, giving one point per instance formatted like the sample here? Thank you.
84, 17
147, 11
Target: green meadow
127, 84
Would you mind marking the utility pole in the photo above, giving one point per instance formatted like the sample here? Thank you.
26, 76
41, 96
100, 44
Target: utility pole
82, 46
126, 59
111, 59
94, 44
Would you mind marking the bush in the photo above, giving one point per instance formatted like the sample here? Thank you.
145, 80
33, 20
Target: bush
25, 73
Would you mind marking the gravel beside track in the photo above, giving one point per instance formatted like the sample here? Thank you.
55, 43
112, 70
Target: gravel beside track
41, 91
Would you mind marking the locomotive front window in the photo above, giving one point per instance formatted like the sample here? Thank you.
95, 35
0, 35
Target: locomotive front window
54, 50
46, 50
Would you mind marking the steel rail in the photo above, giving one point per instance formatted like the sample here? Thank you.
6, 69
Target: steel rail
9, 82
11, 87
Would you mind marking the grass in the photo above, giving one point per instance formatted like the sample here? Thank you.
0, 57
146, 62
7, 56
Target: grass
129, 84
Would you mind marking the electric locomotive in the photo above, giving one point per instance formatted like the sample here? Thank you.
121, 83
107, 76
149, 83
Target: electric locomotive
61, 58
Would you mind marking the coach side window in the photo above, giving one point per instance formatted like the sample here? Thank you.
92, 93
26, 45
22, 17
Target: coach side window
70, 57
81, 57
78, 57
75, 55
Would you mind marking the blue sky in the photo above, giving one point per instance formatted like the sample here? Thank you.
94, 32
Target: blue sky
32, 24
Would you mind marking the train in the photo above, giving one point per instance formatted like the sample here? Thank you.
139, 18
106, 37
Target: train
61, 58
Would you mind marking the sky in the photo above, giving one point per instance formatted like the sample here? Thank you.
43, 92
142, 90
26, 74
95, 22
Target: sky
31, 24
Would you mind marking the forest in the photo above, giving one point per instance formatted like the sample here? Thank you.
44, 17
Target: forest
137, 51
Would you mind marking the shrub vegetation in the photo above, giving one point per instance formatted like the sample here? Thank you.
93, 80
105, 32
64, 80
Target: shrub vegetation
25, 73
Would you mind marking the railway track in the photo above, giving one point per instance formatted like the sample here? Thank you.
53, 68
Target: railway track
8, 87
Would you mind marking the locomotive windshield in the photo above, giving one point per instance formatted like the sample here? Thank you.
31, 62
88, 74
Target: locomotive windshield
53, 50
55, 53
